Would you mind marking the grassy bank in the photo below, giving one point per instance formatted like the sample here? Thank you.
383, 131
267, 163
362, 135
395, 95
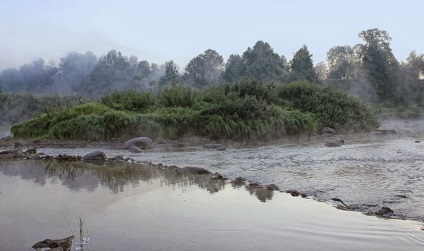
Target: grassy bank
243, 110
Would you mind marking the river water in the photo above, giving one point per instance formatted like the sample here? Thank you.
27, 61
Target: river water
137, 207
368, 172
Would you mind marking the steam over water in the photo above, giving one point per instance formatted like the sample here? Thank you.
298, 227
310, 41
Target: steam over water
368, 172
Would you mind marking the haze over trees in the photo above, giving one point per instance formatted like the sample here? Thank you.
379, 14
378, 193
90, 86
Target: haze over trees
368, 70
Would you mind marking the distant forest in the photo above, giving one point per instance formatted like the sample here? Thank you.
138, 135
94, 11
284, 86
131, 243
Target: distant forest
368, 70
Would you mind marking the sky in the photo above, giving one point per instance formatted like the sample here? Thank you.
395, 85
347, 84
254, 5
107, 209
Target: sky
179, 30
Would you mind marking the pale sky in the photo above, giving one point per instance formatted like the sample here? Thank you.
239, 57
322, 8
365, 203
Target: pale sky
161, 30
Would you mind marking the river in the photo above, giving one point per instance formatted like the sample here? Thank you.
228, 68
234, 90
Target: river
137, 207
368, 172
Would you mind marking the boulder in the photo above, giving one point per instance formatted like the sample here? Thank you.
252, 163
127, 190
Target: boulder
327, 130
140, 142
135, 149
94, 156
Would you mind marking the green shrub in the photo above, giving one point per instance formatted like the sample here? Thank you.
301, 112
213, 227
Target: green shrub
331, 107
177, 96
130, 100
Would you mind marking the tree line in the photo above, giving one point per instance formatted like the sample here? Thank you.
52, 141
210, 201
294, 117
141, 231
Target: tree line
369, 70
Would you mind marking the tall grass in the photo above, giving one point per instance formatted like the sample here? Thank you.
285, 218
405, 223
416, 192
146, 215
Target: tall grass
242, 110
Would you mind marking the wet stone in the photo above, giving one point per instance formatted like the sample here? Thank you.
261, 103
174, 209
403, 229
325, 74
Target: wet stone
272, 187
293, 193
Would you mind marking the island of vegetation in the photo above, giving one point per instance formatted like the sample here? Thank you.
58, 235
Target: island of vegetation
256, 95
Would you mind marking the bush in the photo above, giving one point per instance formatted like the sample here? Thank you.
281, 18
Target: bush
332, 107
177, 96
130, 100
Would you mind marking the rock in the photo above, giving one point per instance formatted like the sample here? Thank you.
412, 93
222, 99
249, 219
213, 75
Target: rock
327, 130
335, 143
294, 193
117, 158
254, 184
217, 175
7, 138
135, 149
31, 151
18, 144
161, 141
340, 201
195, 170
64, 244
94, 156
140, 142
384, 211
15, 153
272, 187
385, 132
417, 141
240, 179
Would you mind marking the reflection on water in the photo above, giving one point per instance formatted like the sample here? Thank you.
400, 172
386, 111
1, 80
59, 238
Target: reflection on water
113, 175
137, 207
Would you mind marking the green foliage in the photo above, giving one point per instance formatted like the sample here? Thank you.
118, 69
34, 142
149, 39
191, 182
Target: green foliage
16, 108
244, 110
177, 96
302, 66
130, 100
332, 107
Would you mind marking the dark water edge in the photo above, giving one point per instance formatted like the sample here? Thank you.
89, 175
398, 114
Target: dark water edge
137, 207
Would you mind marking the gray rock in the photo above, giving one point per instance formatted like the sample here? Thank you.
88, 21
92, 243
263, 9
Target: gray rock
135, 149
195, 170
384, 211
335, 143
272, 187
385, 132
140, 142
94, 156
18, 144
327, 130
161, 141
31, 151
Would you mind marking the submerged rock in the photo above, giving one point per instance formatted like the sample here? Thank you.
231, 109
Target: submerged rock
140, 142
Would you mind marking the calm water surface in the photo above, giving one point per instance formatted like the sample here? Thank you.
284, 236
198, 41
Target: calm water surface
135, 207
